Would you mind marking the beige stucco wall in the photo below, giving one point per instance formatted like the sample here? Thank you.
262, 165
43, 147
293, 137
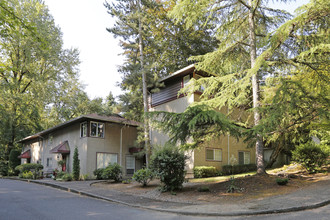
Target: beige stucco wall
87, 147
230, 146
70, 134
111, 144
222, 143
177, 106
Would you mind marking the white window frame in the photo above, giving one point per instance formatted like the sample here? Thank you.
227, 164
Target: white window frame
103, 159
214, 154
130, 167
97, 134
246, 154
83, 129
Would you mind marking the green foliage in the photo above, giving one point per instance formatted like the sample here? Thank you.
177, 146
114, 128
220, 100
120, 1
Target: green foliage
76, 165
205, 171
127, 181
281, 181
143, 176
98, 173
112, 172
166, 46
67, 177
14, 161
33, 69
27, 175
60, 174
28, 167
3, 168
311, 156
61, 163
238, 168
198, 122
232, 186
203, 189
168, 162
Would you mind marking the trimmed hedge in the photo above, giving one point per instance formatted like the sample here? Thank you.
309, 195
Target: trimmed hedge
28, 167
205, 171
236, 169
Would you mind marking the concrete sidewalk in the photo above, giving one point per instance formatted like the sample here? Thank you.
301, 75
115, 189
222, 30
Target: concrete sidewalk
314, 196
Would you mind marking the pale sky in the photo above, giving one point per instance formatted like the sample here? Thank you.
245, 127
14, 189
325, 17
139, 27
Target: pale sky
83, 24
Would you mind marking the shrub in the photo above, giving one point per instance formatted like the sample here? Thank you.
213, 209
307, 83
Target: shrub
112, 172
84, 177
203, 189
3, 168
205, 171
239, 168
60, 174
98, 173
27, 175
28, 167
168, 162
67, 177
76, 165
281, 181
14, 161
310, 156
128, 181
143, 176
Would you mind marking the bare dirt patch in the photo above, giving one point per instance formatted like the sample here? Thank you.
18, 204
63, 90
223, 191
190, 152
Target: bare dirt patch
245, 188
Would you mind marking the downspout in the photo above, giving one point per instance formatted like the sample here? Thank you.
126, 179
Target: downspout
121, 146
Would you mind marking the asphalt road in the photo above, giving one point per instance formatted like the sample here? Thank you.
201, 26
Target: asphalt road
22, 200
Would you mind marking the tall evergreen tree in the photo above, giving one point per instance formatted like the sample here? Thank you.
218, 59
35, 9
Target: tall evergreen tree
300, 44
242, 27
151, 48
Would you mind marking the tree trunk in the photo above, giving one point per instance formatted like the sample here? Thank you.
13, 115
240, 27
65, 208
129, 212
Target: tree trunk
145, 93
255, 92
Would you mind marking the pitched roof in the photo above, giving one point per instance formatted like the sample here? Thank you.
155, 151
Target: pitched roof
62, 148
25, 154
117, 119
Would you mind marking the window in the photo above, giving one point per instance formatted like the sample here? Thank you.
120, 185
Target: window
104, 159
244, 157
186, 80
202, 87
130, 165
97, 129
49, 162
83, 129
214, 154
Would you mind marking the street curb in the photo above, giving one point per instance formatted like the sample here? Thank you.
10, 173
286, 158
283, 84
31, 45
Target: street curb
232, 214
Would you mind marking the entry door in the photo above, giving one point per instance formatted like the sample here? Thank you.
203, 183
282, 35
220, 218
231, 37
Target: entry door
130, 165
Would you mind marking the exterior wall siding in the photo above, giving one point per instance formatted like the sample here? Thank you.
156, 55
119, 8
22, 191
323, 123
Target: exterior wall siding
87, 147
111, 144
170, 92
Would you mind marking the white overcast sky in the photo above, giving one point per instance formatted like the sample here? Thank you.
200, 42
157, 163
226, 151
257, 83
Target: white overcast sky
83, 24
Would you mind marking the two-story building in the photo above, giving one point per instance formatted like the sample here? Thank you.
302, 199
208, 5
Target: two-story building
100, 140
214, 153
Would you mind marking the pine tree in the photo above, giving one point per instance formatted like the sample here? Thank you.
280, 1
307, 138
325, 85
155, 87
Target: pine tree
239, 24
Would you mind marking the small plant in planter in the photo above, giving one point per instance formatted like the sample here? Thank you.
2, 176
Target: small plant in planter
282, 181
